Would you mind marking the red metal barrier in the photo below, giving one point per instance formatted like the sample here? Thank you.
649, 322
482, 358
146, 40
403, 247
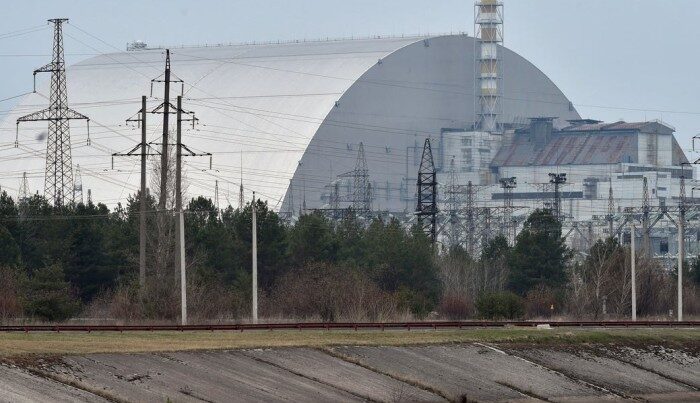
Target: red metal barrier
434, 325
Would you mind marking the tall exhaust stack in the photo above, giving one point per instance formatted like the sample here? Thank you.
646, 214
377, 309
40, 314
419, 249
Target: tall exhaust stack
488, 32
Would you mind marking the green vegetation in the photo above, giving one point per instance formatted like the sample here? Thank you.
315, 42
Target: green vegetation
48, 295
57, 263
499, 305
540, 257
62, 259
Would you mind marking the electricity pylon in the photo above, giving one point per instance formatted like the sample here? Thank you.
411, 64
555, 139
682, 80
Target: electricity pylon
23, 195
426, 210
362, 191
58, 182
78, 186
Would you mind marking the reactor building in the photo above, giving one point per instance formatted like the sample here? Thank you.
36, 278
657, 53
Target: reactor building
287, 119
332, 124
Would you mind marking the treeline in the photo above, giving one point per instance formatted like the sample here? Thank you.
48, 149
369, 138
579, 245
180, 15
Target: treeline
60, 262
83, 260
540, 276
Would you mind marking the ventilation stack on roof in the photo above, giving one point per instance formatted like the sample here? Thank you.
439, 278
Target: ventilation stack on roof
541, 131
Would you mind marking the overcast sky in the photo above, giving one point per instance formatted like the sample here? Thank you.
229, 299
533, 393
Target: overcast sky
620, 59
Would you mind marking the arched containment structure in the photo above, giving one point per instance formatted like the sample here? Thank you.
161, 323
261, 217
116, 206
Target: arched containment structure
286, 118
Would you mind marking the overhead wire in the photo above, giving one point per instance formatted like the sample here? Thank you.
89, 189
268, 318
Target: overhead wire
275, 116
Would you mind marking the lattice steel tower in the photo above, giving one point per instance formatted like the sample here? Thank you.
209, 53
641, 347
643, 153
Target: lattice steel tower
508, 184
610, 217
58, 182
362, 190
23, 195
453, 202
78, 186
488, 32
427, 193
471, 219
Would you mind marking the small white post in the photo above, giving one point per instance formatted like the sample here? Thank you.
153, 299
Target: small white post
183, 275
634, 273
681, 253
255, 262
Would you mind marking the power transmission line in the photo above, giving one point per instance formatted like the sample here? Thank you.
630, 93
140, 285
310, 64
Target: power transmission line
59, 170
426, 209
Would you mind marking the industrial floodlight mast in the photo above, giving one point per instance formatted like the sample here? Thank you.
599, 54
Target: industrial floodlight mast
557, 179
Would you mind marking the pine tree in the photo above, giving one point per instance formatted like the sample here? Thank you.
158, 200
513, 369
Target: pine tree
540, 256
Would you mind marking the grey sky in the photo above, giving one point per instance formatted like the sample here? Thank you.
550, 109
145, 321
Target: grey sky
619, 59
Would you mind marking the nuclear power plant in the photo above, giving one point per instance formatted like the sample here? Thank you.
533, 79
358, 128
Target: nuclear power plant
332, 125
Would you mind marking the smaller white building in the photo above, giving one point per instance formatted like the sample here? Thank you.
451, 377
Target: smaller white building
597, 158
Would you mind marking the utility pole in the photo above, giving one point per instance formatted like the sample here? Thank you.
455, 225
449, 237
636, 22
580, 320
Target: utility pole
611, 211
241, 198
179, 235
178, 199
183, 275
646, 230
178, 156
216, 197
142, 215
142, 147
634, 271
681, 245
58, 185
255, 259
164, 146
291, 198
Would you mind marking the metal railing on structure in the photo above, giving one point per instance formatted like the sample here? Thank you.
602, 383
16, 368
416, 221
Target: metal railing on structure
381, 326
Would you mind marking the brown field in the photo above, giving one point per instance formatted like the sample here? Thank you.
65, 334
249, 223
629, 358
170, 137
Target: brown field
49, 343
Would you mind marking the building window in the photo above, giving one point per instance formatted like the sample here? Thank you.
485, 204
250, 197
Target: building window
467, 156
466, 141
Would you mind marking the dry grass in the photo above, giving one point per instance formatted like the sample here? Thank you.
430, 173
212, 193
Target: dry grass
15, 344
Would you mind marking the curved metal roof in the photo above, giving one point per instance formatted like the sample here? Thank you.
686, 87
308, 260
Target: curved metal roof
265, 100
259, 108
